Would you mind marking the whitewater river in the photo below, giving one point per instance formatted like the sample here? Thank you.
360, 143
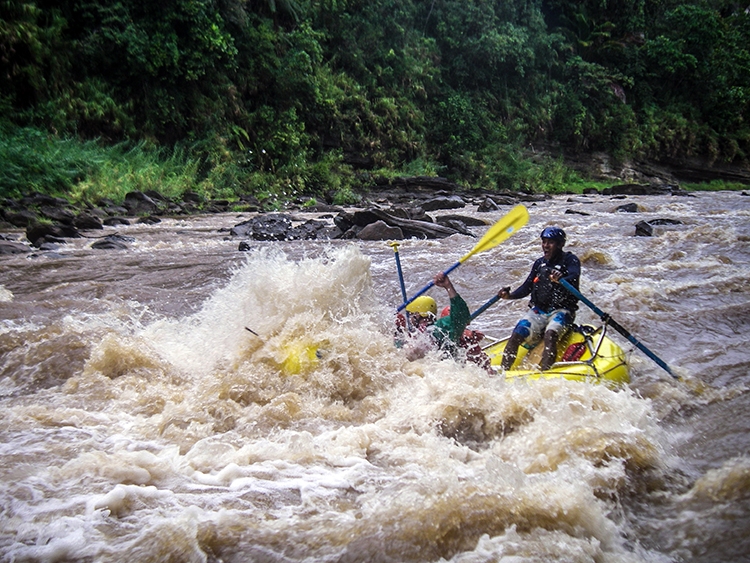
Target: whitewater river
141, 422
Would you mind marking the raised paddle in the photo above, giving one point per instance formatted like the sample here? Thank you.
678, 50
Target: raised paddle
500, 231
614, 324
394, 246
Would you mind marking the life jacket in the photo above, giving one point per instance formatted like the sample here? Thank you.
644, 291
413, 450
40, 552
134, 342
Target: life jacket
548, 295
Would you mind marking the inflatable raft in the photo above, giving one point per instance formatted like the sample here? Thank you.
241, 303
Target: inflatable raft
586, 353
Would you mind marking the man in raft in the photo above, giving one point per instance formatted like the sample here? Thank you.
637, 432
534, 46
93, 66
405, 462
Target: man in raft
552, 308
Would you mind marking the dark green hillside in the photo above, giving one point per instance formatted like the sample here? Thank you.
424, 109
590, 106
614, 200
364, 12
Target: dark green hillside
316, 97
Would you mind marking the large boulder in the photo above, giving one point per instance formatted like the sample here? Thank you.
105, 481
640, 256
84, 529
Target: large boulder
379, 230
138, 203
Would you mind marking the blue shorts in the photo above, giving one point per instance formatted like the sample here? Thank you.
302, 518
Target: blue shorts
533, 326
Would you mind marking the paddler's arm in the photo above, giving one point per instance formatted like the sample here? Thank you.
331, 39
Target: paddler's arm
458, 320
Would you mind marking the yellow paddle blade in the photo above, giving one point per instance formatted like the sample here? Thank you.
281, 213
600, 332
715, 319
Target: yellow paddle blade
500, 231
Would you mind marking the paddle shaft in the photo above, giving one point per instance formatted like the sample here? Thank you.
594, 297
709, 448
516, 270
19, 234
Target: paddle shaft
614, 324
484, 307
394, 245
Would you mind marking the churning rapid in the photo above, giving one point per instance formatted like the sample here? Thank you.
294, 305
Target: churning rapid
143, 422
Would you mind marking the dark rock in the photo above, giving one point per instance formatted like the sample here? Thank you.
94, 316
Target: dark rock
628, 208
156, 196
244, 246
488, 205
379, 230
39, 232
114, 221
113, 242
38, 199
468, 221
8, 247
576, 212
192, 197
21, 218
638, 189
115, 210
88, 222
410, 228
59, 214
309, 230
149, 220
457, 225
273, 226
451, 202
98, 212
138, 203
643, 229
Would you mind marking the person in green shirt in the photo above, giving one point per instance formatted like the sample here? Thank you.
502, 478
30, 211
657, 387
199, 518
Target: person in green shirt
443, 333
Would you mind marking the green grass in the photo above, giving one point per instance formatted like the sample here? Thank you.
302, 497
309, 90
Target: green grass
87, 171
716, 186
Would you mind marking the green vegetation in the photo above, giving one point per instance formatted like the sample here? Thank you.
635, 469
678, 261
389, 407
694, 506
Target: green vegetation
315, 98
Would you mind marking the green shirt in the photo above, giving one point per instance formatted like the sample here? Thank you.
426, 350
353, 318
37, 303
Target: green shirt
448, 330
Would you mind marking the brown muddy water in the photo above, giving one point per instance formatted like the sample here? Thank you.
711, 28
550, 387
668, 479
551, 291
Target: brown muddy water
142, 422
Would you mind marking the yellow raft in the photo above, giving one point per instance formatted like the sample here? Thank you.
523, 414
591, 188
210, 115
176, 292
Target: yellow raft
602, 361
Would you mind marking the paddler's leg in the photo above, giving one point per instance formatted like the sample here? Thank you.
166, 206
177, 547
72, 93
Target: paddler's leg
550, 350
511, 349
559, 322
528, 331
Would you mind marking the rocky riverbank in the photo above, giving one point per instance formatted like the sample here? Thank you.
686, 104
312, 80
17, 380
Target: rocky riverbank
397, 210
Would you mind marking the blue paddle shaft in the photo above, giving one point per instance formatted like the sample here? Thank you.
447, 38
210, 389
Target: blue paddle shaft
484, 307
400, 276
614, 324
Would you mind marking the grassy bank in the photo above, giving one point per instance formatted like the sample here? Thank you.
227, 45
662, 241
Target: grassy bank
86, 172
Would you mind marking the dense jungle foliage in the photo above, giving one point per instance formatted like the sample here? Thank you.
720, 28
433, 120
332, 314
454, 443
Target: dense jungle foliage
278, 98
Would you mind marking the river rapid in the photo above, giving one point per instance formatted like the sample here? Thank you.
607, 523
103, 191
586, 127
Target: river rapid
141, 421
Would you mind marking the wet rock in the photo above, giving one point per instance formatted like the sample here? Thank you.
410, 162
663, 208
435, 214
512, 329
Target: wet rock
488, 205
628, 208
21, 218
466, 220
114, 221
646, 228
455, 224
149, 220
273, 226
113, 242
643, 229
58, 214
312, 230
88, 222
410, 228
38, 233
450, 202
138, 203
379, 230
9, 247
